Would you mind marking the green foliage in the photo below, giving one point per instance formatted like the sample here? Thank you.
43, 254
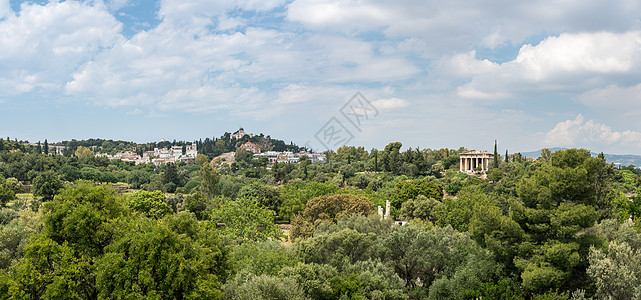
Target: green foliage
259, 287
313, 278
266, 195
47, 185
15, 235
83, 215
6, 194
137, 178
267, 257
411, 189
244, 220
617, 273
428, 254
150, 204
421, 208
210, 179
328, 208
49, 271
177, 258
295, 196
338, 249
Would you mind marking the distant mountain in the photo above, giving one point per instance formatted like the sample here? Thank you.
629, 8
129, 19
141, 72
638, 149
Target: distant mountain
625, 160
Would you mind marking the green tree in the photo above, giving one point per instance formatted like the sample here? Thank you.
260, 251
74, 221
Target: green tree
201, 159
421, 208
83, 153
175, 259
150, 204
47, 184
15, 235
328, 208
250, 286
496, 156
391, 157
170, 174
48, 270
295, 196
85, 216
137, 178
6, 194
244, 220
410, 189
46, 147
210, 181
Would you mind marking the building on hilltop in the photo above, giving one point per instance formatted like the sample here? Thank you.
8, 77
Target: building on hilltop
475, 159
240, 134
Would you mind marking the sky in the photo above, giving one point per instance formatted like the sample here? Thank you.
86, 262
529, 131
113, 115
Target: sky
325, 73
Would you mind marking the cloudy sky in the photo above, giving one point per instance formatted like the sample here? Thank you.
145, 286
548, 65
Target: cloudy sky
529, 74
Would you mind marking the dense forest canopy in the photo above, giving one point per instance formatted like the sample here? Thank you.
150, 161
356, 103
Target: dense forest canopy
564, 226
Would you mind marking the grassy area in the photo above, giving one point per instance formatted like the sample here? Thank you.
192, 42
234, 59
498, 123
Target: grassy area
25, 197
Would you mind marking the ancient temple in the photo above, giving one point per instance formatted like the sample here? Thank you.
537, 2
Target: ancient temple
472, 159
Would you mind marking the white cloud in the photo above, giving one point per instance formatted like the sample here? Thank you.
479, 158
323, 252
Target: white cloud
579, 132
42, 45
5, 9
174, 65
461, 25
615, 100
390, 103
569, 63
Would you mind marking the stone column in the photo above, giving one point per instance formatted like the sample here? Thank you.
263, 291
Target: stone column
387, 209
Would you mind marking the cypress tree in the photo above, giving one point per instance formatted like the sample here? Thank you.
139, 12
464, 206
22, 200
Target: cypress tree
505, 155
1, 144
46, 147
496, 156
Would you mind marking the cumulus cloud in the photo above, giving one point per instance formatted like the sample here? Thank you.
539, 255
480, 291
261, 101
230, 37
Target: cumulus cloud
5, 9
568, 63
457, 25
580, 132
43, 44
390, 103
176, 64
620, 101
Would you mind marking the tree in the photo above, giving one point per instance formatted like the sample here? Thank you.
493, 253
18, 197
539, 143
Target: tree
46, 147
201, 159
137, 178
47, 184
84, 216
410, 189
506, 157
150, 204
391, 157
170, 174
210, 181
496, 156
83, 152
6, 194
175, 259
47, 271
422, 208
245, 220
328, 208
546, 154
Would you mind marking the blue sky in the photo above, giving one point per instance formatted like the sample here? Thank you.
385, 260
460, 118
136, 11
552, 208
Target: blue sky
529, 74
